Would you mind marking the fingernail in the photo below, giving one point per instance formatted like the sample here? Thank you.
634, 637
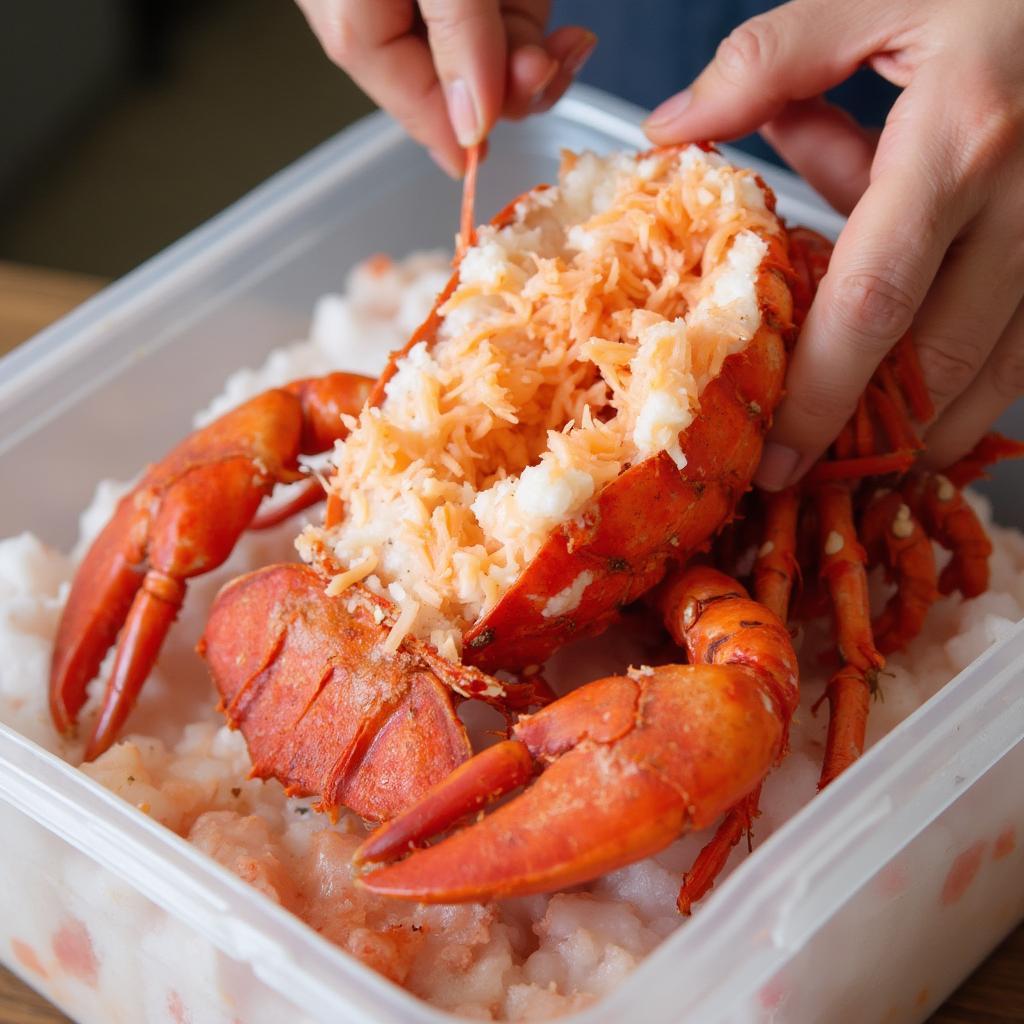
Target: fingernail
778, 466
445, 163
462, 112
580, 54
671, 110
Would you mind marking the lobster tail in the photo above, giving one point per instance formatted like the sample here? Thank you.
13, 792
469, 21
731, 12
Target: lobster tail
324, 707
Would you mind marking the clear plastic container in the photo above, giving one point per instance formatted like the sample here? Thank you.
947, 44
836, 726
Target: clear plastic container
871, 904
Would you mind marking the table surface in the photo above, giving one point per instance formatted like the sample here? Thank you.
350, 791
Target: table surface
31, 298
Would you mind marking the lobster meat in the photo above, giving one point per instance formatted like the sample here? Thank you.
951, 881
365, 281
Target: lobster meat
581, 414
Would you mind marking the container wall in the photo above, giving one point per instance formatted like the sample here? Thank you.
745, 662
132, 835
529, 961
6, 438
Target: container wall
114, 385
105, 954
905, 940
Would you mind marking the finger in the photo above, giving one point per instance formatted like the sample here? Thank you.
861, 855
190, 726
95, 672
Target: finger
826, 147
997, 386
467, 39
374, 44
570, 47
795, 51
530, 72
974, 295
530, 67
875, 284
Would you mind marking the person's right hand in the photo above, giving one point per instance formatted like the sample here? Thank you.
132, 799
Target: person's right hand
447, 69
935, 235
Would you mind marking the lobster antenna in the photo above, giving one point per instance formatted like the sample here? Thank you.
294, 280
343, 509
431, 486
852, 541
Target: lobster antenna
467, 233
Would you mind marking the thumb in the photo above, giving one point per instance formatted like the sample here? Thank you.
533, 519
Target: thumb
467, 40
793, 52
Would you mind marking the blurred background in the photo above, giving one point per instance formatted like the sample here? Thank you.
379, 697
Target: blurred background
126, 123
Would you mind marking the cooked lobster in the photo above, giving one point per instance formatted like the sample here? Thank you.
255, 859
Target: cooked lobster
580, 415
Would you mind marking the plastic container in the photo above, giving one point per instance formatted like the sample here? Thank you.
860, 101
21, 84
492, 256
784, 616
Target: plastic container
871, 904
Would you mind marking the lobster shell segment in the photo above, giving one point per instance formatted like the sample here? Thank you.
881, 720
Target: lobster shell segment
323, 704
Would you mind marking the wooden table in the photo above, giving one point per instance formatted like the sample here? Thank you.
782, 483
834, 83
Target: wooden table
30, 299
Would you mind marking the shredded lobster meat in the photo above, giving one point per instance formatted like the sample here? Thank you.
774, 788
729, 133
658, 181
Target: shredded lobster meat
576, 341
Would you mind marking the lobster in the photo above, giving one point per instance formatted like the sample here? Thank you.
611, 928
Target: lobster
558, 833
337, 697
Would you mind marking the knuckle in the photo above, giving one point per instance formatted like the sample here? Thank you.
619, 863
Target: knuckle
874, 309
947, 365
449, 31
752, 46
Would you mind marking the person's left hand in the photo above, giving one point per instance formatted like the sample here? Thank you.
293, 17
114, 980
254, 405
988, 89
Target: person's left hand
935, 236
448, 69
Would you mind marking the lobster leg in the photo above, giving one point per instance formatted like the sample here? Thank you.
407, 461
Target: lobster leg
948, 519
775, 568
893, 417
860, 467
625, 762
774, 572
993, 447
863, 428
809, 254
894, 537
936, 500
849, 690
182, 520
709, 863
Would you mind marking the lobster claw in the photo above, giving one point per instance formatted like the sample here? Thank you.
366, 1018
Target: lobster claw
324, 706
625, 763
183, 519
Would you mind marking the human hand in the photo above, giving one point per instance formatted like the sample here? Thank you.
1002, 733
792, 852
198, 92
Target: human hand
935, 235
447, 69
